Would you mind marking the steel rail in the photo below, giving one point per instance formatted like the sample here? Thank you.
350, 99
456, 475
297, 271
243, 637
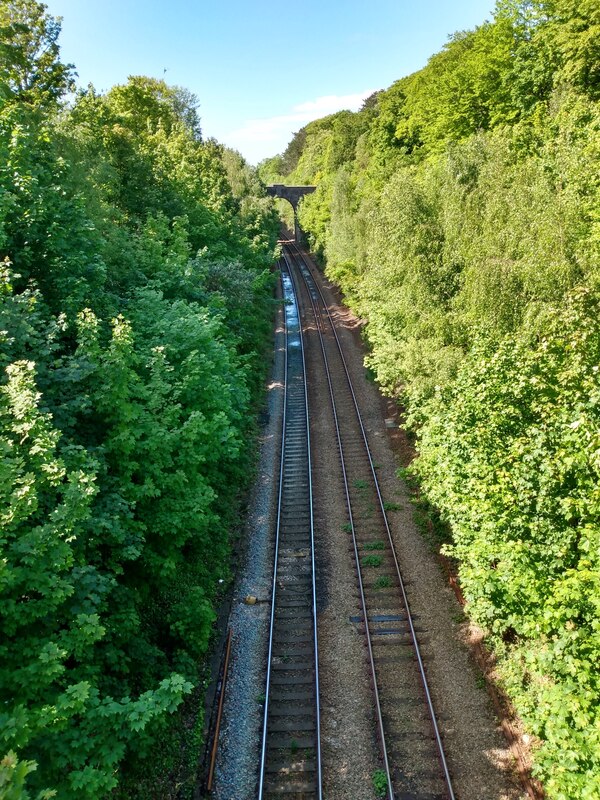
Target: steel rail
261, 787
413, 633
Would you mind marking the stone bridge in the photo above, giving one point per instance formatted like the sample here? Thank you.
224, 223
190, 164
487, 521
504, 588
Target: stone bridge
293, 194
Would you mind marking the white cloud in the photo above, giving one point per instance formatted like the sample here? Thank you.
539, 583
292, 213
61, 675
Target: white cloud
260, 138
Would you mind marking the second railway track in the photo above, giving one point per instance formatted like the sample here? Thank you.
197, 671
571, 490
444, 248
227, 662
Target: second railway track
412, 755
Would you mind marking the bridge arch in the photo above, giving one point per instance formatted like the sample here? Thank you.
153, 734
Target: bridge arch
293, 194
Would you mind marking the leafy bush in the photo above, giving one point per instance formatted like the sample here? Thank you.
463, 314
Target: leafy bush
511, 453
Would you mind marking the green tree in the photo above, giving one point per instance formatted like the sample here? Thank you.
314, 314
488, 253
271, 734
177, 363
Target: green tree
29, 55
572, 29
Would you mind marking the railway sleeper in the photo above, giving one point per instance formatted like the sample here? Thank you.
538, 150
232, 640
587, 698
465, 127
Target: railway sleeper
299, 788
294, 540
384, 616
280, 710
286, 636
282, 678
291, 726
295, 514
290, 526
295, 612
292, 530
401, 655
294, 457
292, 592
292, 695
382, 644
280, 746
293, 768
294, 570
396, 742
405, 735
401, 699
389, 635
296, 616
294, 586
419, 796
290, 651
293, 666
295, 558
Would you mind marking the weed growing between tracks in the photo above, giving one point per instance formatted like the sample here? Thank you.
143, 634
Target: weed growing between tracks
380, 784
371, 561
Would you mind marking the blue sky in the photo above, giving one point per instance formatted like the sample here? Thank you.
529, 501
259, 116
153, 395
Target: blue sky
261, 69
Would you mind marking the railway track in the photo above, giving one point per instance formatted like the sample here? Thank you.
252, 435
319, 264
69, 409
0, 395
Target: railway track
413, 764
291, 754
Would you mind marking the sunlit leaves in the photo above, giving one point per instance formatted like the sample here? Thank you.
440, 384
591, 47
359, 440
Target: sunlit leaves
510, 453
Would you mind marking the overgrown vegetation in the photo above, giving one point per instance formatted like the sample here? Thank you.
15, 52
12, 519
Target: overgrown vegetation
135, 309
458, 210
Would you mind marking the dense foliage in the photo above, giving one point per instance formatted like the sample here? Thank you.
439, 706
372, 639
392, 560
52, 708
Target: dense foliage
458, 210
135, 306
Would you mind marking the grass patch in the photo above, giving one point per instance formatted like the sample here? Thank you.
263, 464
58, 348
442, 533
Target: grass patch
383, 582
371, 561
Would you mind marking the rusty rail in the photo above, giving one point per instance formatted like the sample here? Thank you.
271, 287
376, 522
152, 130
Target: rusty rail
221, 693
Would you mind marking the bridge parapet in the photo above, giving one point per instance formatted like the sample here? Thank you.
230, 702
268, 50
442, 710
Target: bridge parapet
293, 194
